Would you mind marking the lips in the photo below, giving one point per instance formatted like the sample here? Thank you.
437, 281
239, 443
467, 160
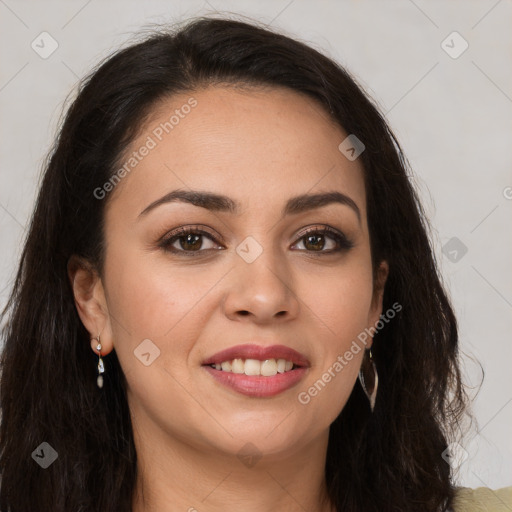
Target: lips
257, 384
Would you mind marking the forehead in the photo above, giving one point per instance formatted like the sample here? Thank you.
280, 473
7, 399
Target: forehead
258, 146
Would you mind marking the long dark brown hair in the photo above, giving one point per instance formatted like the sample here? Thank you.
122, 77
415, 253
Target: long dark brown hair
388, 460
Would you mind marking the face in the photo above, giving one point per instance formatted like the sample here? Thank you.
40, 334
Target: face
212, 299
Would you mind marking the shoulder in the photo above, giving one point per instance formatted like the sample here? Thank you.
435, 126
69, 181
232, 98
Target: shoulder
482, 499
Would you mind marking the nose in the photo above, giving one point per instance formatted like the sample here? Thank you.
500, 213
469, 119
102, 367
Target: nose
261, 291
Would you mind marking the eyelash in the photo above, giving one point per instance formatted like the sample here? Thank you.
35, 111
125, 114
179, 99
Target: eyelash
343, 243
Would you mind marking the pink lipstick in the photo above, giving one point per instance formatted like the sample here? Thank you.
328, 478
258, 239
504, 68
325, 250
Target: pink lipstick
257, 371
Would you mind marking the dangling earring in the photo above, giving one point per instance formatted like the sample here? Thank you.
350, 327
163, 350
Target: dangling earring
101, 368
369, 379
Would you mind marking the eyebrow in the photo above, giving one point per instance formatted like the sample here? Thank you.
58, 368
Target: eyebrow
220, 203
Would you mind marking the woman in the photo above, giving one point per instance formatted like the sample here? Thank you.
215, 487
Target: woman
227, 297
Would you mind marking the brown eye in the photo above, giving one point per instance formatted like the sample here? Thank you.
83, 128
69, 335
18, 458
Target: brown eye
188, 241
315, 240
191, 241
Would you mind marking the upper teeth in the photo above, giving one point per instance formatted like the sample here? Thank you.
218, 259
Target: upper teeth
265, 368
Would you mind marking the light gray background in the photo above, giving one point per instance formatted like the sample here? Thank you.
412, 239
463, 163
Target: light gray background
452, 117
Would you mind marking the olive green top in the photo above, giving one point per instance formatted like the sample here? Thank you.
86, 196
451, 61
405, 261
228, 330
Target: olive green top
483, 499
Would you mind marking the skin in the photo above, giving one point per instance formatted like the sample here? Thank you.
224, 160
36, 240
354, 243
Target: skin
259, 147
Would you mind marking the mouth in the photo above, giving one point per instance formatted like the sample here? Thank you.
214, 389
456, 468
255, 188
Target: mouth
257, 371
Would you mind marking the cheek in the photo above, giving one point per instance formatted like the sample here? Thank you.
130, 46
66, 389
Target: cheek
155, 302
151, 299
149, 296
339, 303
338, 306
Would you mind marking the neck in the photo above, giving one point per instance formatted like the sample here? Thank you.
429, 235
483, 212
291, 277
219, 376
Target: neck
174, 475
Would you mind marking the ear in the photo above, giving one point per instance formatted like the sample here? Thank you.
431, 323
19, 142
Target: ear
90, 302
378, 295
